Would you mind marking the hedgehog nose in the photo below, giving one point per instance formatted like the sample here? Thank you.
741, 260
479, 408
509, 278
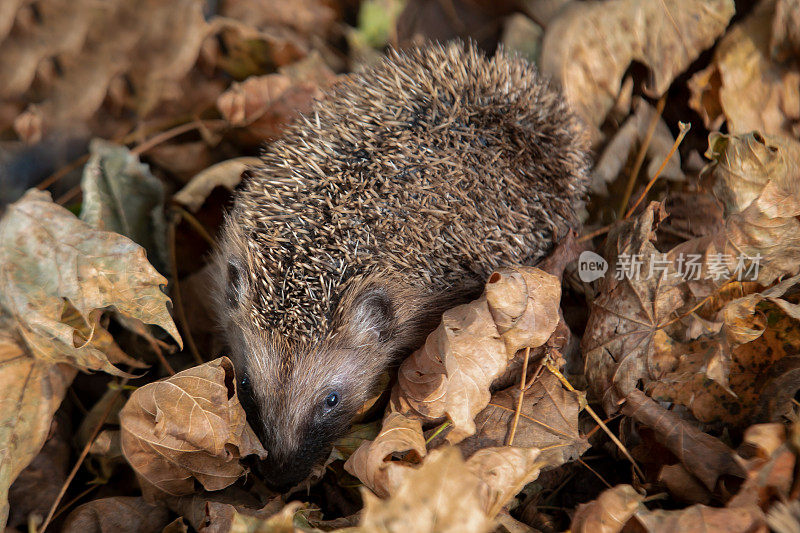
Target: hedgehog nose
281, 476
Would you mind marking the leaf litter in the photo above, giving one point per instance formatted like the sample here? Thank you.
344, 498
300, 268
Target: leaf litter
694, 379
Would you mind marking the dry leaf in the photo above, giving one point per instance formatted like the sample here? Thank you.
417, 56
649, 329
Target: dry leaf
627, 139
451, 374
398, 435
226, 174
524, 304
188, 427
442, 495
626, 318
548, 421
36, 487
53, 263
58, 275
703, 519
684, 486
123, 514
95, 46
504, 470
746, 82
589, 46
609, 512
120, 194
632, 331
755, 178
704, 456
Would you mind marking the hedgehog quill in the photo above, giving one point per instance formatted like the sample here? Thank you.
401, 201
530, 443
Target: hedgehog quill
390, 202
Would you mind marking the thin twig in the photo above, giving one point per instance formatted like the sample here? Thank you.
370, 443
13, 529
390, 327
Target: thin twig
593, 471
552, 368
522, 379
195, 224
164, 136
61, 172
74, 500
71, 194
595, 233
159, 354
685, 127
698, 306
176, 294
82, 456
637, 166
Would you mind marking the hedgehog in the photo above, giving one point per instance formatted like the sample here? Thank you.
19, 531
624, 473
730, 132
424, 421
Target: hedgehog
389, 202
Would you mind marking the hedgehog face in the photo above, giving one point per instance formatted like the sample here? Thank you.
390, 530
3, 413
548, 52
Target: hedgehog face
301, 395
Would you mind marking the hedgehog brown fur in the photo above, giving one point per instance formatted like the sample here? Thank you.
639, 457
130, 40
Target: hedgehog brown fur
394, 198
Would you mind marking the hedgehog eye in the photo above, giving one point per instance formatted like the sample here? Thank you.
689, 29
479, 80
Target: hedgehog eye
332, 400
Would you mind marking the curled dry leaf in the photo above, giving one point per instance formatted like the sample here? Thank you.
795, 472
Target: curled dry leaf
442, 495
755, 178
589, 46
120, 194
747, 83
548, 421
504, 471
188, 427
524, 304
705, 456
51, 263
398, 435
226, 174
703, 519
265, 104
123, 514
609, 512
451, 374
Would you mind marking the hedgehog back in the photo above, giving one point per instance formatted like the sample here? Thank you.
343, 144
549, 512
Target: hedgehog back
435, 165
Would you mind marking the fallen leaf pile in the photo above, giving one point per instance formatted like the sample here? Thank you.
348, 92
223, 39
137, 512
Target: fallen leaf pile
643, 377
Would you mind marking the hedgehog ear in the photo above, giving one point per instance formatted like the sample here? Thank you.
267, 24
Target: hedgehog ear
235, 287
373, 316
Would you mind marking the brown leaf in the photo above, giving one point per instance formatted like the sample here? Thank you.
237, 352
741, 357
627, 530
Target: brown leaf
705, 456
627, 139
123, 514
609, 512
625, 322
369, 462
52, 263
633, 331
548, 421
589, 46
767, 480
226, 174
703, 519
451, 374
188, 427
36, 488
95, 47
266, 104
684, 486
504, 470
442, 496
755, 179
746, 82
32, 390
524, 320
